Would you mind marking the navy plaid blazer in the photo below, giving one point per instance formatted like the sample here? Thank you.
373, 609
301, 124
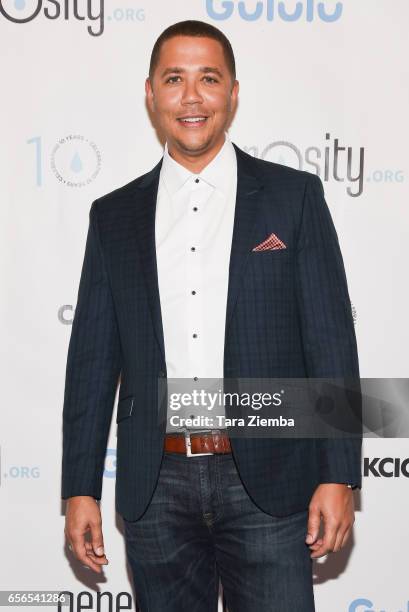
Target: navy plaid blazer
288, 315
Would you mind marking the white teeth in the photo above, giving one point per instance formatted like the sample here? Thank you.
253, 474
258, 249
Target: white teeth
194, 119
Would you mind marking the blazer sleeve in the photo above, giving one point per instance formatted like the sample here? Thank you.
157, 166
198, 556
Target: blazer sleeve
92, 371
328, 334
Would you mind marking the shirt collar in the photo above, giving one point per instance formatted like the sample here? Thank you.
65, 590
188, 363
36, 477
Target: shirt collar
217, 173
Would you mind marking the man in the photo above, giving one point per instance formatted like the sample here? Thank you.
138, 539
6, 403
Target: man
213, 264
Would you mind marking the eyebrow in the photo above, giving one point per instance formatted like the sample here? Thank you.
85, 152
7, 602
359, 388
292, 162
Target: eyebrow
204, 69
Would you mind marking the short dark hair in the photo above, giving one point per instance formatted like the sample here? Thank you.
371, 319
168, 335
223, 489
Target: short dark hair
201, 29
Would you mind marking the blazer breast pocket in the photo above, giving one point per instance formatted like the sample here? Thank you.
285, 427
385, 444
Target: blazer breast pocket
125, 408
270, 269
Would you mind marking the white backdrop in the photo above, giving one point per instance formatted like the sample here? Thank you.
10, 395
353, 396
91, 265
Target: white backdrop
74, 126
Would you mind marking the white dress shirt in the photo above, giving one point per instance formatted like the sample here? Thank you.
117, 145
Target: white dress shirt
193, 233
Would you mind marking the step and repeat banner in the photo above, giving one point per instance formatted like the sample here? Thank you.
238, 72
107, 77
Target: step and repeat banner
324, 88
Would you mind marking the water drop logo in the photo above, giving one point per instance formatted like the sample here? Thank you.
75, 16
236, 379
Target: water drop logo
23, 11
20, 11
75, 161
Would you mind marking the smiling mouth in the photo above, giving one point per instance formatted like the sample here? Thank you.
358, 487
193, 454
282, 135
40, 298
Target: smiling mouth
193, 122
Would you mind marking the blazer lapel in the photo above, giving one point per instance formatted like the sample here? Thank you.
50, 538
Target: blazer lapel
145, 229
249, 189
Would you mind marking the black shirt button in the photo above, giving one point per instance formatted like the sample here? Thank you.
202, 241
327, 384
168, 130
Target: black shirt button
194, 335
195, 378
193, 292
193, 248
195, 208
196, 180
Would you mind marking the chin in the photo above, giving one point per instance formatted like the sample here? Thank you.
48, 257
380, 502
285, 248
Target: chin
194, 144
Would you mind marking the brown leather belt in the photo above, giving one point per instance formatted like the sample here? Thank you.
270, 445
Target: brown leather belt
192, 443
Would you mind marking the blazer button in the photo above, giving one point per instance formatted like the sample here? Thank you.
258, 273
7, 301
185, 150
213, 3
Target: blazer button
161, 374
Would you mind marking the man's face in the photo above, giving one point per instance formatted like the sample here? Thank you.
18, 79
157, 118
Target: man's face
192, 95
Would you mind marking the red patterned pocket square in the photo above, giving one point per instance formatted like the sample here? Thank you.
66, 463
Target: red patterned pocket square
271, 243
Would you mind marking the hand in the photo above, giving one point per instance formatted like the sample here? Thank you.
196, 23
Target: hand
82, 516
335, 503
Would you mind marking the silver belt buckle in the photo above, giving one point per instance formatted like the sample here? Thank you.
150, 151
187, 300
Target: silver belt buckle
188, 442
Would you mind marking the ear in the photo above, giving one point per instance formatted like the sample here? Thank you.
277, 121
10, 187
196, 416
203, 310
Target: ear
149, 95
235, 89
234, 94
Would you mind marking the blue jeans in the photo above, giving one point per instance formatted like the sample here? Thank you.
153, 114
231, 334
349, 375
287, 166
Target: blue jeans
201, 525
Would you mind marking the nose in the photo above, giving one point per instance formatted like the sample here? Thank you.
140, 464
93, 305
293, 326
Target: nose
191, 94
